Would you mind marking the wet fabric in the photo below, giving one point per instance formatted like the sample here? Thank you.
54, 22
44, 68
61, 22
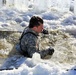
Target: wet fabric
29, 44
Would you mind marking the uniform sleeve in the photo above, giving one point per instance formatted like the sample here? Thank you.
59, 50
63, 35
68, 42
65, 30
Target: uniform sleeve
32, 45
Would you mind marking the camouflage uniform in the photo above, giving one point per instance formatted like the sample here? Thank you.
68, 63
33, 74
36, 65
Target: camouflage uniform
30, 44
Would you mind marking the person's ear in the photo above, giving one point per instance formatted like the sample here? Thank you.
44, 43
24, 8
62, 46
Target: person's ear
35, 28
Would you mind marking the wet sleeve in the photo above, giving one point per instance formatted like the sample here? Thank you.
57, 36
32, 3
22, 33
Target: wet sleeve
32, 46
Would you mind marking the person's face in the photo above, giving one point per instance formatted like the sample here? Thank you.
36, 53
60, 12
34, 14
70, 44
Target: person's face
40, 28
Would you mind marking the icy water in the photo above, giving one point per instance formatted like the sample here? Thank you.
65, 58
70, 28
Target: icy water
8, 39
2, 60
12, 23
63, 43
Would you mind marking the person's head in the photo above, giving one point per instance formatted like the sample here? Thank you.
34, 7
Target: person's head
36, 23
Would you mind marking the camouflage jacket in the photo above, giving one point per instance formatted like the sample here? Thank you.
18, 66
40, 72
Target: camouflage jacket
29, 42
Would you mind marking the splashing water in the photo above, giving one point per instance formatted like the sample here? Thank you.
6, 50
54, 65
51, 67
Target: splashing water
63, 43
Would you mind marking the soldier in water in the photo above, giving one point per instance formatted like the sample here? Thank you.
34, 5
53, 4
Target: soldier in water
29, 42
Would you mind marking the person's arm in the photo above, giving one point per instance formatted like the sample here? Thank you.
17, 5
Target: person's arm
32, 45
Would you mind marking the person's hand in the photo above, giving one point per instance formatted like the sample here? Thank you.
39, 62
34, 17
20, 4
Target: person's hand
51, 51
45, 31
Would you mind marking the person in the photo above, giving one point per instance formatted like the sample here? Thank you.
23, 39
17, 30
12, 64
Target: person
29, 42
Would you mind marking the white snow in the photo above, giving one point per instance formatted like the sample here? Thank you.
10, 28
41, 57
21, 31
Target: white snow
17, 17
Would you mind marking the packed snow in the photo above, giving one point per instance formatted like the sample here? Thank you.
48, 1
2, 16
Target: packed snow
61, 25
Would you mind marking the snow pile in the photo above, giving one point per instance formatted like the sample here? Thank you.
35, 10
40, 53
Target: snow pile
57, 21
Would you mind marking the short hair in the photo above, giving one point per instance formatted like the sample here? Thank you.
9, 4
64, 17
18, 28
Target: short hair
35, 21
